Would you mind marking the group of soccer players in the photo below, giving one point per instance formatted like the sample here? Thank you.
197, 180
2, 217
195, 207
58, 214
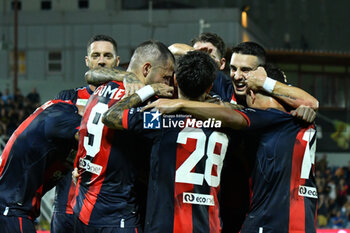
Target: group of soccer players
252, 172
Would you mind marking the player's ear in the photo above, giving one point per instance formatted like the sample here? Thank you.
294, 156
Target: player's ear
209, 88
87, 61
222, 63
146, 68
117, 60
252, 95
175, 81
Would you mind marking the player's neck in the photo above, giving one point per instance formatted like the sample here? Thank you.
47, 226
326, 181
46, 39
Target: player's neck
92, 87
200, 98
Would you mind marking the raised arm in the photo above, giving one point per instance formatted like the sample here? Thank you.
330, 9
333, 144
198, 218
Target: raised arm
292, 96
113, 117
202, 110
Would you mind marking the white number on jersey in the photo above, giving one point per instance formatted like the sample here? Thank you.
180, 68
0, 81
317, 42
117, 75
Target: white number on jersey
184, 173
94, 128
309, 154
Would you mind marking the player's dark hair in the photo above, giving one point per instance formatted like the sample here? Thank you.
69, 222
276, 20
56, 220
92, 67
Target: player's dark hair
251, 48
151, 50
102, 37
213, 38
195, 73
275, 73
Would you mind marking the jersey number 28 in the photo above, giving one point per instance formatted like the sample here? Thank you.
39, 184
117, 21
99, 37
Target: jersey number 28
185, 174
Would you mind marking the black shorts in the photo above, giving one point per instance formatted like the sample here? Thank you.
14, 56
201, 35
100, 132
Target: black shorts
14, 224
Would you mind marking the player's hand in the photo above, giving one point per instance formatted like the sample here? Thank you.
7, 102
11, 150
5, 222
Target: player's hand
165, 106
180, 49
132, 84
304, 113
163, 90
256, 78
75, 175
212, 99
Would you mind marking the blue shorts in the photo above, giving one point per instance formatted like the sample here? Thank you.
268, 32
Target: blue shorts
62, 223
14, 224
80, 227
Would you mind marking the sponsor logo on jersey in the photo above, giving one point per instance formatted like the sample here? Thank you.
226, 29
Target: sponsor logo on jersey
151, 120
306, 191
90, 167
82, 102
198, 199
108, 92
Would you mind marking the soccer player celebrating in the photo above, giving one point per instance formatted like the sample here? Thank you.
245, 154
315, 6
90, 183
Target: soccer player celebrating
107, 159
187, 159
34, 159
284, 195
102, 51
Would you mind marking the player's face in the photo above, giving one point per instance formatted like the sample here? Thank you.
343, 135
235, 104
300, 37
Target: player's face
212, 50
240, 65
161, 74
101, 54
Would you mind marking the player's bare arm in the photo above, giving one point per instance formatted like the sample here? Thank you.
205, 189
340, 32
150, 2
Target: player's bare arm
101, 75
113, 117
292, 96
202, 110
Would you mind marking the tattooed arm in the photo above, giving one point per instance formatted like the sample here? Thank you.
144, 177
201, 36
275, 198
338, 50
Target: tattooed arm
98, 76
292, 96
113, 118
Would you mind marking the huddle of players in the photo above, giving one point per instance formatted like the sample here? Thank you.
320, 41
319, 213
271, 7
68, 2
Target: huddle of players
184, 163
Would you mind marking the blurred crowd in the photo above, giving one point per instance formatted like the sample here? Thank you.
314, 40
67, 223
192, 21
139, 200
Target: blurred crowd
334, 195
14, 108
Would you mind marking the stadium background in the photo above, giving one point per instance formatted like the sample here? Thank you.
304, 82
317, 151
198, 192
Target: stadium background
308, 39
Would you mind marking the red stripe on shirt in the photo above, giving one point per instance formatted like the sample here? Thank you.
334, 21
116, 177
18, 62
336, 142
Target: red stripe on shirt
125, 118
297, 203
20, 224
36, 201
69, 208
183, 211
214, 220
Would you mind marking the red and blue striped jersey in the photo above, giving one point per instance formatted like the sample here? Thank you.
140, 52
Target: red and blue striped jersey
284, 194
105, 194
36, 157
184, 180
65, 189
